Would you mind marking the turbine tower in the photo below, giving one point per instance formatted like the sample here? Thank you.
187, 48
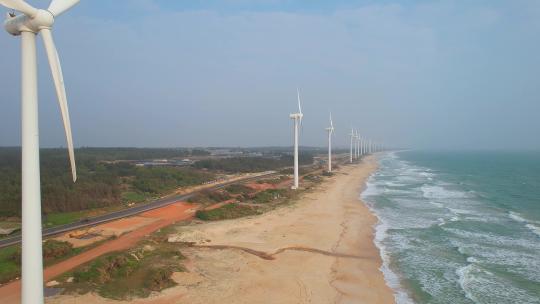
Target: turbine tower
297, 117
330, 131
352, 141
360, 143
32, 22
357, 145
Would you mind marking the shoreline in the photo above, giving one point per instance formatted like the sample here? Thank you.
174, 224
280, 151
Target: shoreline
321, 249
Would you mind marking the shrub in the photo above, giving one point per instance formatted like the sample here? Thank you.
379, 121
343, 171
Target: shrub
269, 195
53, 249
229, 211
238, 188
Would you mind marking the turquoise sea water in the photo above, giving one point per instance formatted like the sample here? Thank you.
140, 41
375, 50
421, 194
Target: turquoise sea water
459, 227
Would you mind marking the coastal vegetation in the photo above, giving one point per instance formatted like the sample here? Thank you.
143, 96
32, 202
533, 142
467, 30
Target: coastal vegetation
53, 252
270, 195
252, 164
238, 189
225, 212
103, 181
209, 197
138, 272
109, 178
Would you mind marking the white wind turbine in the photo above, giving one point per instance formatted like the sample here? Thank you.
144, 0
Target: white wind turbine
330, 131
32, 22
364, 146
352, 141
357, 145
360, 140
297, 117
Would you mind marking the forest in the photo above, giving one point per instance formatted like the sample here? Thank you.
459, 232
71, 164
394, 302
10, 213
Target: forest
100, 183
103, 181
252, 164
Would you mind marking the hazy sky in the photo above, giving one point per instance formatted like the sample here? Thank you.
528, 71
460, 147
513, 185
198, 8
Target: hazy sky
441, 74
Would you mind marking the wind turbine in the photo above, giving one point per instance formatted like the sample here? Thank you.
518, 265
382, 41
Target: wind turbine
297, 117
352, 140
32, 22
360, 143
364, 146
330, 131
357, 145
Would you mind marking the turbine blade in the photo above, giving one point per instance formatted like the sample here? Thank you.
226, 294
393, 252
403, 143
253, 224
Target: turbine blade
21, 6
57, 7
58, 78
299, 103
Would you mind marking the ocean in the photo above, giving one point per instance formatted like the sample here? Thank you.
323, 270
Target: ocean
458, 227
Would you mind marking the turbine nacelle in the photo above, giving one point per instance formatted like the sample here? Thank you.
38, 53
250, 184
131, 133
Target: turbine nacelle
296, 116
331, 128
43, 19
34, 19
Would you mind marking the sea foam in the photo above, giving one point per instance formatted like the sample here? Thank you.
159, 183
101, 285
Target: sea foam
531, 225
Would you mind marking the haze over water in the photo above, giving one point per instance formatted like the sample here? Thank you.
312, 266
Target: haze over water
459, 227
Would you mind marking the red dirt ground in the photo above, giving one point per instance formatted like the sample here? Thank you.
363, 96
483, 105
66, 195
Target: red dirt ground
11, 293
215, 206
124, 223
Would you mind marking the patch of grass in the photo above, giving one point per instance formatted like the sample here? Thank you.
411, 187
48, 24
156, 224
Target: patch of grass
63, 218
229, 211
10, 263
274, 181
289, 171
210, 197
133, 197
10, 257
53, 252
53, 249
238, 189
269, 195
125, 275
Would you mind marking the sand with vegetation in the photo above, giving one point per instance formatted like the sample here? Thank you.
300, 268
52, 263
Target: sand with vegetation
318, 250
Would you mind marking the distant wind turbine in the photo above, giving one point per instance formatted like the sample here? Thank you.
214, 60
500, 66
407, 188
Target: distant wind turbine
352, 141
297, 117
330, 131
357, 145
360, 146
32, 22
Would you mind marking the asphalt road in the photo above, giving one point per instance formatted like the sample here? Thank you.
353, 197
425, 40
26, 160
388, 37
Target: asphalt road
121, 213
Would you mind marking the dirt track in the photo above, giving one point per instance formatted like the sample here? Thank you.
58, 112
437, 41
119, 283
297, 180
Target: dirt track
272, 256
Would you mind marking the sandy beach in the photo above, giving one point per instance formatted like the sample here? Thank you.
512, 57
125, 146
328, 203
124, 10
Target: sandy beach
318, 250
